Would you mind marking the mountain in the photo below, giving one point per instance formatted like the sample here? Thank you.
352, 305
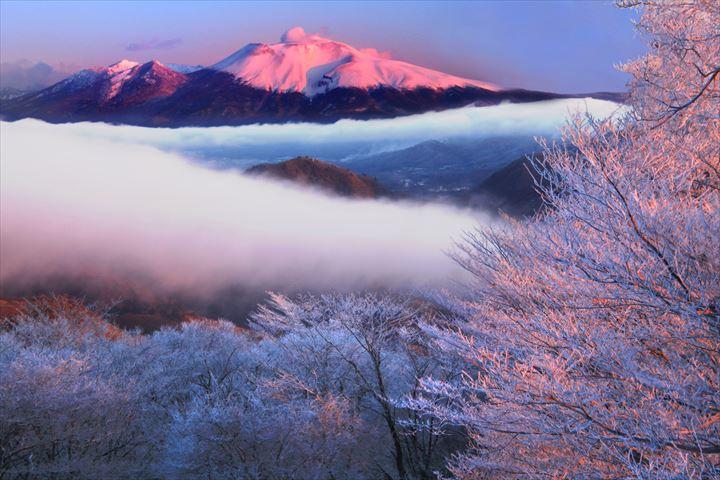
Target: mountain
301, 78
107, 90
312, 64
324, 176
510, 190
181, 68
7, 93
442, 167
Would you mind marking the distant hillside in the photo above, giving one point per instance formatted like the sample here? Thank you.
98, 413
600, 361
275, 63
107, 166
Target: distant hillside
325, 176
442, 167
510, 190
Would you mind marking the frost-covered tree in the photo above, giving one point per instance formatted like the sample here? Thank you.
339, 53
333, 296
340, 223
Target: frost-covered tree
62, 413
592, 340
366, 350
314, 396
228, 418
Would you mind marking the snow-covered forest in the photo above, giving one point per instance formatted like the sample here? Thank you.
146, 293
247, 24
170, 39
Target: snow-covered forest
587, 345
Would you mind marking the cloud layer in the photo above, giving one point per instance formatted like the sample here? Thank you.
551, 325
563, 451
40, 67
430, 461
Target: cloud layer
79, 203
537, 118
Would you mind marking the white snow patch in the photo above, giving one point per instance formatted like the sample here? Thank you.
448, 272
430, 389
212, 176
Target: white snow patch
182, 68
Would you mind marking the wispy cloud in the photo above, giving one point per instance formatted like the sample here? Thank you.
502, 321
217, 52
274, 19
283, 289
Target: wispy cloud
154, 44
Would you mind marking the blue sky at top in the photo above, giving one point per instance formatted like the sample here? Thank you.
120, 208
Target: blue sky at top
563, 46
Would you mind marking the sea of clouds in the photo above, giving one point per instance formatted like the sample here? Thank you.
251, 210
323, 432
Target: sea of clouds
246, 145
121, 201
72, 203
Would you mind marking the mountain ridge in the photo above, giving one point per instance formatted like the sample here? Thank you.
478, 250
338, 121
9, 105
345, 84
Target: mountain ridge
303, 78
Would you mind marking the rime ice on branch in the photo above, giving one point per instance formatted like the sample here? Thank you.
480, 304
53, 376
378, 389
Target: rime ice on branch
593, 346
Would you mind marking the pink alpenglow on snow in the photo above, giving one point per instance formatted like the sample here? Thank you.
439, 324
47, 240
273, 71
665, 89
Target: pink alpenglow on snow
114, 79
312, 64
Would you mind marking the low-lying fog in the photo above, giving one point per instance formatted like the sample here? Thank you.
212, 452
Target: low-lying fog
123, 203
347, 139
73, 202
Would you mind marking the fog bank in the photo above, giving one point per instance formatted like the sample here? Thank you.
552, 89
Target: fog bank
75, 201
532, 119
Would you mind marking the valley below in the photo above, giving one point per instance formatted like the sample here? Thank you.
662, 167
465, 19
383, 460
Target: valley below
204, 221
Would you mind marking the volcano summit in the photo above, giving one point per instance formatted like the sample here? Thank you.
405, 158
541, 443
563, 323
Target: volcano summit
303, 77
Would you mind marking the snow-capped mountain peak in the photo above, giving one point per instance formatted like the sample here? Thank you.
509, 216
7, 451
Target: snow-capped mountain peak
137, 80
118, 74
121, 66
313, 64
182, 68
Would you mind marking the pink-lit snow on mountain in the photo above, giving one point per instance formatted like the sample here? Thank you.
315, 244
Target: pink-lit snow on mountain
119, 67
118, 73
311, 64
110, 82
115, 76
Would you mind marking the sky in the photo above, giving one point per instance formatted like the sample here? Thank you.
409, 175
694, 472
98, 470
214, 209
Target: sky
562, 46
